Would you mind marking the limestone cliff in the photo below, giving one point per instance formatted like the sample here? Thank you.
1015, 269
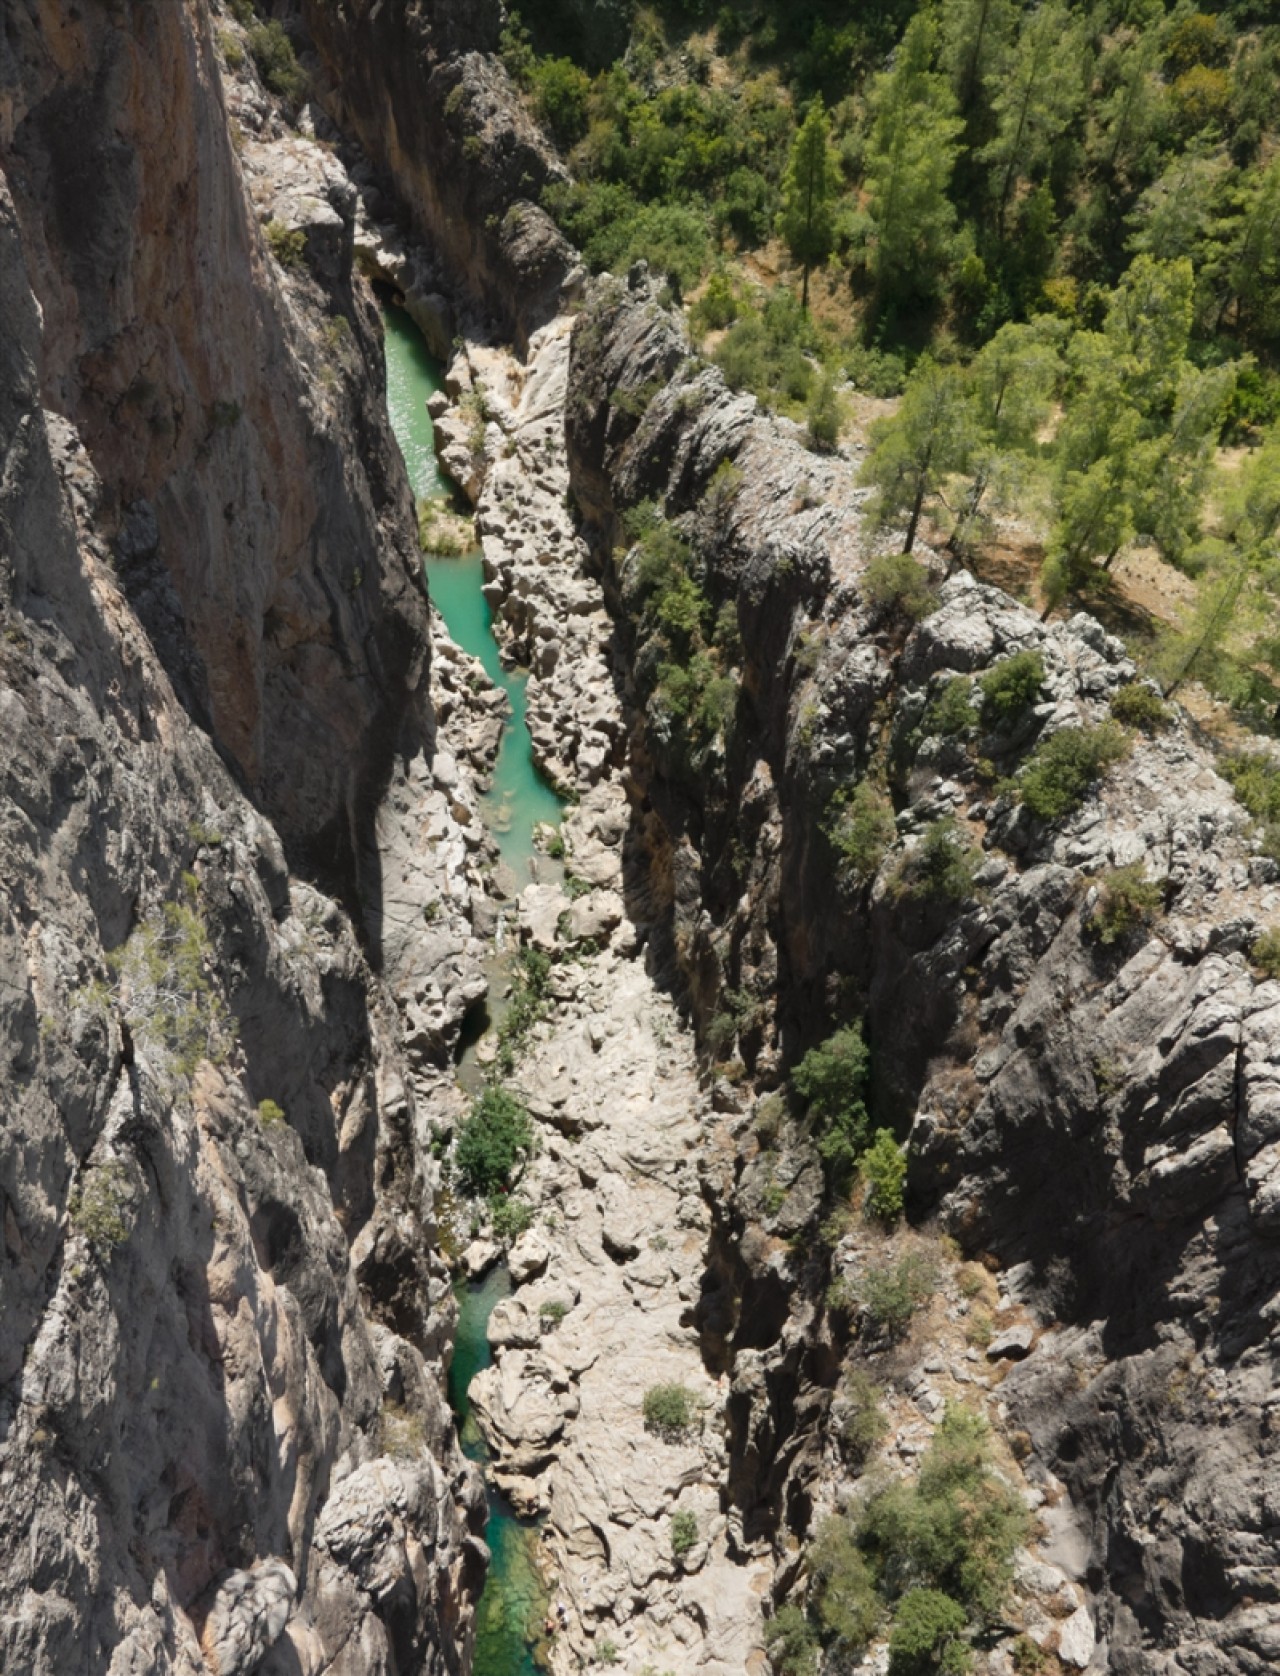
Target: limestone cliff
223, 1314
1094, 1114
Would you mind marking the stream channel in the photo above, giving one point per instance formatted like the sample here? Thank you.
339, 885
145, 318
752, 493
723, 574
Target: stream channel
513, 1604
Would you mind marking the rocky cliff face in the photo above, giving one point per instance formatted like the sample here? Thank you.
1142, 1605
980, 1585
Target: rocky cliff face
1096, 1116
223, 1436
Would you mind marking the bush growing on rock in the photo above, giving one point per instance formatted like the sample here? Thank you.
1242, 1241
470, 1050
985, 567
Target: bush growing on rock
899, 584
941, 867
1265, 953
98, 1206
287, 244
890, 1293
1127, 901
1255, 779
791, 1643
928, 1636
1012, 687
860, 1419
1063, 767
510, 1217
832, 1078
956, 1529
669, 1411
844, 1592
492, 1141
684, 1533
884, 1169
862, 829
952, 711
560, 91
1139, 705
272, 52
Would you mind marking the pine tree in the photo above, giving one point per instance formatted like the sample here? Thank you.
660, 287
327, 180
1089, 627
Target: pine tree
919, 447
808, 188
911, 154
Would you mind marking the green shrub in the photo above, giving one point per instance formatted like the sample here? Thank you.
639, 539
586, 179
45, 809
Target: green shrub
1265, 953
272, 51
884, 1168
877, 371
823, 416
1012, 687
287, 244
844, 1594
528, 1002
1063, 767
162, 987
957, 1528
952, 711
606, 1652
832, 1078
560, 91
495, 1137
941, 867
1139, 705
684, 1533
1255, 779
927, 1637
232, 51
551, 1314
891, 1292
791, 1643
723, 489
510, 1217
861, 1420
898, 583
270, 1114
1029, 1658
716, 308
862, 829
1127, 900
669, 1411
98, 1206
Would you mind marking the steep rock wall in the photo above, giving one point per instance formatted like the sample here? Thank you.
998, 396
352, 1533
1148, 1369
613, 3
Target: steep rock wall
223, 1439
1097, 1116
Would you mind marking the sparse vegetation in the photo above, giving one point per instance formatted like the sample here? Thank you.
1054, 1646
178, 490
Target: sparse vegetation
494, 1142
1265, 953
684, 1533
899, 584
287, 244
270, 1114
99, 1205
791, 1643
861, 827
669, 1411
1062, 769
509, 1217
272, 52
941, 867
1139, 705
860, 1419
891, 1292
1127, 901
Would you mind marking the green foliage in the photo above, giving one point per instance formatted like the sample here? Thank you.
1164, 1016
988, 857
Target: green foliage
861, 1421
941, 867
791, 1643
823, 416
606, 1652
527, 1006
716, 308
884, 1168
957, 1528
163, 989
270, 1114
891, 1292
495, 1137
861, 827
914, 451
272, 52
510, 1217
805, 221
927, 1636
1011, 687
1265, 953
287, 244
843, 1590
1029, 1658
232, 51
951, 712
560, 91
900, 584
1139, 705
1062, 768
551, 1314
832, 1078
1127, 901
99, 1205
669, 1411
684, 1533
768, 352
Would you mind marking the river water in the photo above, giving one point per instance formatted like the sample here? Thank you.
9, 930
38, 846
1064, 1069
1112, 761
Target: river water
513, 1605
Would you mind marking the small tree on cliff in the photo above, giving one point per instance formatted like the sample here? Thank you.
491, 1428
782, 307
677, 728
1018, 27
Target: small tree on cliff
807, 190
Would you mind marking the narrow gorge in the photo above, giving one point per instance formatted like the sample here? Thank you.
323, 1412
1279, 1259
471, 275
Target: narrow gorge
443, 717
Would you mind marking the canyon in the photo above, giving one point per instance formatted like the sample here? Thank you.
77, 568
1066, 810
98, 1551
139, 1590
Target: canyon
251, 901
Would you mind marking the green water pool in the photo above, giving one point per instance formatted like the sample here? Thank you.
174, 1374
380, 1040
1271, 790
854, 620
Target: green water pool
519, 797
514, 1603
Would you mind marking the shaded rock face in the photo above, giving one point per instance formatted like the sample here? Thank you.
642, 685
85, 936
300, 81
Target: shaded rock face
247, 478
1097, 1115
219, 1283
419, 86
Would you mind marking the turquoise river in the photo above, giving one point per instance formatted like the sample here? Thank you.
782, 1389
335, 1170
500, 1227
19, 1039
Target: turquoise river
513, 1605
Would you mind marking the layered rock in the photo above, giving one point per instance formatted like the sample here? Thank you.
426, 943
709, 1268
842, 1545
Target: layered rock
225, 1444
1094, 1114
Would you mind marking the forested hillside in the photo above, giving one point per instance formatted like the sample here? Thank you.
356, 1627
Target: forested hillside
1053, 230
